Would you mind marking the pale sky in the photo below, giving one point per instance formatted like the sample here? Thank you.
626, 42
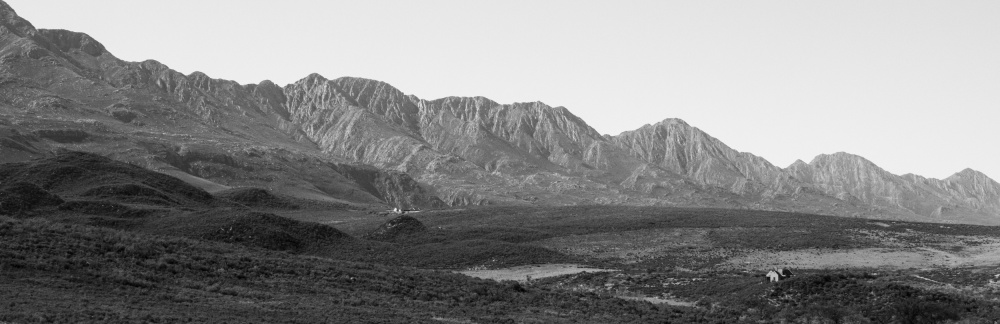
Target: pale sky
913, 86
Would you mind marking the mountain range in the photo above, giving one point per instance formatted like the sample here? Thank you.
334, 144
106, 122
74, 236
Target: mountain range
365, 142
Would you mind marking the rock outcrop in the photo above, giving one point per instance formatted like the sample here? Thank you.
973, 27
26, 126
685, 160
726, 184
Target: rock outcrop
398, 228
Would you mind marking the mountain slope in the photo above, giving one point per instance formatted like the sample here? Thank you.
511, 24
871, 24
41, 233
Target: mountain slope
967, 196
62, 89
675, 146
367, 142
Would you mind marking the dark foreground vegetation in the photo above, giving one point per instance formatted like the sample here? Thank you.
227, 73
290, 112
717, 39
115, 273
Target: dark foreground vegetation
817, 296
55, 272
89, 239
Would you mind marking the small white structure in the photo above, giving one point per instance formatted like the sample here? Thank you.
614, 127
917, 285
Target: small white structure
778, 274
773, 276
401, 211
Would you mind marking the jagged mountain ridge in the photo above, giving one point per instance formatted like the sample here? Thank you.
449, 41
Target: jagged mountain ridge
465, 150
851, 177
63, 90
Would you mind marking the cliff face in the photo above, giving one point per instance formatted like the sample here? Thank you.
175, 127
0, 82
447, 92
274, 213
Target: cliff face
332, 119
677, 147
520, 133
851, 177
366, 141
973, 187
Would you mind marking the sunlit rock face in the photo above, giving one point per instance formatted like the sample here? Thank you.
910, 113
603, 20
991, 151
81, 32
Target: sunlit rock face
967, 196
678, 147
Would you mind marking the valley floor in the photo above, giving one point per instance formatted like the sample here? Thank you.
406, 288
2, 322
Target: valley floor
598, 264
708, 259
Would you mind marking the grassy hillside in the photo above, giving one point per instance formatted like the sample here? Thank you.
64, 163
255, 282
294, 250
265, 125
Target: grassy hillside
88, 189
93, 176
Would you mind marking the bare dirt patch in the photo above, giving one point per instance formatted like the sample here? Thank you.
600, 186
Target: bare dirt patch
836, 259
202, 183
521, 273
659, 300
912, 257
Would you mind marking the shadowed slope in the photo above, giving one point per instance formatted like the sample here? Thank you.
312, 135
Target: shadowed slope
255, 197
77, 174
249, 228
19, 197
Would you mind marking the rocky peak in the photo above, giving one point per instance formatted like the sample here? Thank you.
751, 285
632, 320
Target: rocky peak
800, 170
840, 158
271, 96
220, 88
846, 167
968, 174
660, 127
153, 65
675, 146
849, 170
532, 132
381, 99
978, 184
266, 84
673, 121
670, 143
10, 22
201, 80
311, 80
848, 176
66, 41
315, 89
198, 75
798, 164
